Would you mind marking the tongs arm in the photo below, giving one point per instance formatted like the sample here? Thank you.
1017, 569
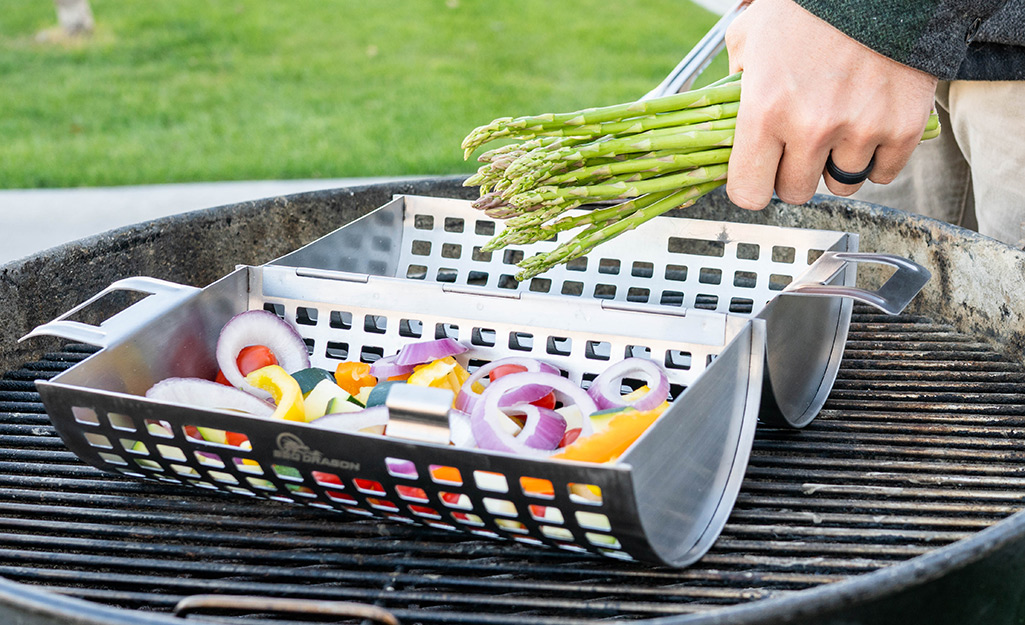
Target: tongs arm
686, 72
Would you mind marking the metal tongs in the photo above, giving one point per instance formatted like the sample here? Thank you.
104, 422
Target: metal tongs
686, 72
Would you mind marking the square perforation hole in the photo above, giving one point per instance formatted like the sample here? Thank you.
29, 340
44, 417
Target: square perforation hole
208, 459
120, 421
745, 279
577, 264
161, 429
512, 257
451, 250
589, 494
454, 224
814, 255
677, 359
484, 337
277, 309
638, 294
748, 251
423, 222
521, 341
455, 500
598, 350
306, 316
419, 247
337, 350
468, 519
340, 320
706, 301
416, 272
559, 346
604, 291
85, 415
508, 281
411, 328
540, 285
709, 275
247, 465
641, 269
592, 520
447, 274
443, 474
671, 298
375, 324
778, 282
371, 353
676, 273
741, 305
546, 514
477, 278
287, 472
446, 330
479, 255
572, 287
398, 467
510, 525
500, 507
609, 266
637, 351
491, 482
557, 533
411, 493
98, 440
329, 480
369, 487
537, 487
783, 254
134, 447
170, 452
484, 228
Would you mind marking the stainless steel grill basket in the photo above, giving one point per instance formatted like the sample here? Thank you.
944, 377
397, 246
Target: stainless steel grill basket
743, 318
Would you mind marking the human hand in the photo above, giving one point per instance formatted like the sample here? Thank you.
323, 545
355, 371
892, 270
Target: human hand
809, 90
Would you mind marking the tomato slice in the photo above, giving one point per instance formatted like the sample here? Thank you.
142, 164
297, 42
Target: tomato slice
254, 357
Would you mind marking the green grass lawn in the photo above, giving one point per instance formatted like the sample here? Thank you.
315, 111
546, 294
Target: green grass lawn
200, 90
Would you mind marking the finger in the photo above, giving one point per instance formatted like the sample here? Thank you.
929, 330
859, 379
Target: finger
752, 167
798, 176
892, 156
851, 160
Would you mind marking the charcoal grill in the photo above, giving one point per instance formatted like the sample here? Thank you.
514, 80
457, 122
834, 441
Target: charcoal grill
898, 504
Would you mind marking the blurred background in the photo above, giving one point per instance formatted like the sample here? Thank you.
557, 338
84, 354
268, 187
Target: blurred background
118, 111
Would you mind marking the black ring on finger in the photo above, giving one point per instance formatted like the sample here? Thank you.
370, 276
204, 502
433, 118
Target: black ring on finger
846, 177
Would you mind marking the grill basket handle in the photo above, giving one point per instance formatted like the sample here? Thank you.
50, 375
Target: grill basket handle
892, 297
164, 296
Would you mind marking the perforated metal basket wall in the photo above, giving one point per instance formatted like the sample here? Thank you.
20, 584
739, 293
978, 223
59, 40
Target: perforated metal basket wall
411, 271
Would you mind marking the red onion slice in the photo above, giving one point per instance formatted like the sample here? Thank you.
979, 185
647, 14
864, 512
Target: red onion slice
376, 417
428, 351
467, 399
259, 327
542, 424
384, 368
605, 389
207, 394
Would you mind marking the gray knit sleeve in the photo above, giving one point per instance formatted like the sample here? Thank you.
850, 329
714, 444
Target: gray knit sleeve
931, 35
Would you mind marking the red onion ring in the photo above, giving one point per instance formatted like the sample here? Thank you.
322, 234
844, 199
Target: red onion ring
259, 327
542, 424
384, 368
605, 389
428, 351
467, 399
207, 394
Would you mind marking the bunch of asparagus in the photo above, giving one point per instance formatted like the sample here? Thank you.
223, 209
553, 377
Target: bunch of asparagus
654, 155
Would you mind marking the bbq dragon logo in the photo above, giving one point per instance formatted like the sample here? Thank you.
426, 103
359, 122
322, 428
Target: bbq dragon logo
291, 447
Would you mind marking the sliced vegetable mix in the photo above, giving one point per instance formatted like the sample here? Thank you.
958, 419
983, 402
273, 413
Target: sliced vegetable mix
515, 405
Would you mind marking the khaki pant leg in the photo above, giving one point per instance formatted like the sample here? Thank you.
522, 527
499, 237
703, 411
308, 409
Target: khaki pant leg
973, 174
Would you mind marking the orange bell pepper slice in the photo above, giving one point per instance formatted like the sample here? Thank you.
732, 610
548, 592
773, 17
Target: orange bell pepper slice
610, 443
352, 376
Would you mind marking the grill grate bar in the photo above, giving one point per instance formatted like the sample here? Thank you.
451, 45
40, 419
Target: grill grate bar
918, 447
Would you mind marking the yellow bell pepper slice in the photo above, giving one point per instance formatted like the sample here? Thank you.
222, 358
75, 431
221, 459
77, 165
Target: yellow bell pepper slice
283, 388
622, 430
434, 373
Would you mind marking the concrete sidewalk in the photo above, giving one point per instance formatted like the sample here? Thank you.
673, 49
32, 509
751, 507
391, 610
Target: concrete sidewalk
33, 220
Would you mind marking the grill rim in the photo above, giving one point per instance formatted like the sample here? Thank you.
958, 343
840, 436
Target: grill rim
918, 576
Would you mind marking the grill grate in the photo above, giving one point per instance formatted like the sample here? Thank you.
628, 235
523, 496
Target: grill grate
919, 445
